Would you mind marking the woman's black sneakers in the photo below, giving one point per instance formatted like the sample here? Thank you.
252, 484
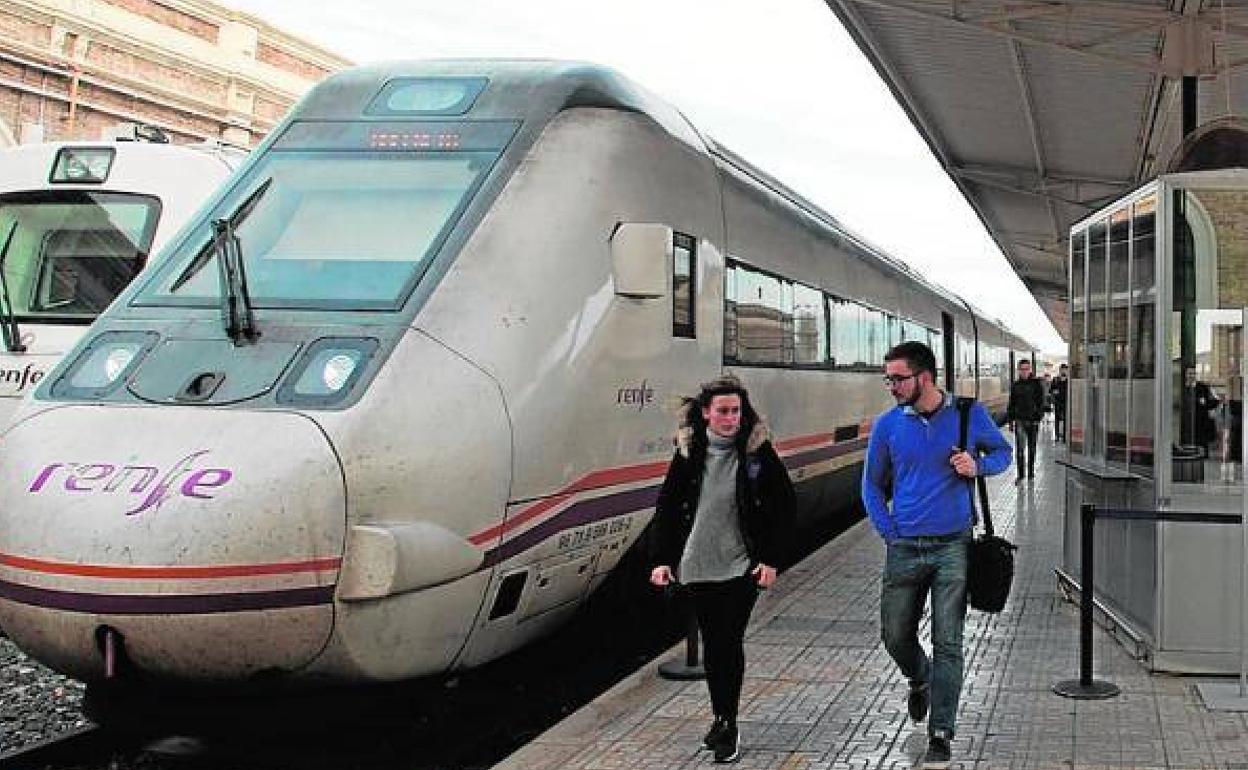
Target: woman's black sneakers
712, 735
728, 744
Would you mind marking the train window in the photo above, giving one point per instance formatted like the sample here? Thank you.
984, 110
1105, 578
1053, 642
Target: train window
426, 96
845, 337
810, 326
400, 208
72, 252
761, 313
935, 341
874, 337
684, 289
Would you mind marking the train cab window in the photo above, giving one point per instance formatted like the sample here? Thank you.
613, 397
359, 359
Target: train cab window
73, 252
83, 270
299, 254
337, 215
684, 288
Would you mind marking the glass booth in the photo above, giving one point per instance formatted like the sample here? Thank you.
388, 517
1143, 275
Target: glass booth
1159, 283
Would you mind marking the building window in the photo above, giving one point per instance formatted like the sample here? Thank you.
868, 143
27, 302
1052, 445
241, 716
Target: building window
684, 288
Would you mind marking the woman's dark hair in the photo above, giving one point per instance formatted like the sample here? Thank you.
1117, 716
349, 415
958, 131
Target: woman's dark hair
724, 385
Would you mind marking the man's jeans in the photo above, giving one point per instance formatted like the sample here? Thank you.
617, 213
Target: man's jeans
913, 567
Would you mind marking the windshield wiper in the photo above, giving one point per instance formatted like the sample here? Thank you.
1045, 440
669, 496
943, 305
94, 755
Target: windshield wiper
8, 316
210, 249
236, 315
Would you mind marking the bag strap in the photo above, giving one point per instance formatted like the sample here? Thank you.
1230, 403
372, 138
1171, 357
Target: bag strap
964, 421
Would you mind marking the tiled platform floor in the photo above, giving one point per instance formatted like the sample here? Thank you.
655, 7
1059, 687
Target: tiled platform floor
821, 692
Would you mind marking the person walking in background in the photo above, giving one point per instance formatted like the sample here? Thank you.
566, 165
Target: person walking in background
1057, 392
722, 513
1024, 413
913, 457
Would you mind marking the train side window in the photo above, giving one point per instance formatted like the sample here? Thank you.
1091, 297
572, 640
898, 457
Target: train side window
810, 326
758, 318
684, 286
847, 333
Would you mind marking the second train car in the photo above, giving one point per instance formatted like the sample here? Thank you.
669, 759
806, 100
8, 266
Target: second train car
401, 399
78, 221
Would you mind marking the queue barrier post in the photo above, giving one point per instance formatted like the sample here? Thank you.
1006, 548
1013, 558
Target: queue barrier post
1085, 687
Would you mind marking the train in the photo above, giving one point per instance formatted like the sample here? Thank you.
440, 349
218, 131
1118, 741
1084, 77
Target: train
400, 398
78, 221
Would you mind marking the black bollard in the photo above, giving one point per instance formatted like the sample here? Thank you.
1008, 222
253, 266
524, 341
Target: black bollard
691, 668
1085, 687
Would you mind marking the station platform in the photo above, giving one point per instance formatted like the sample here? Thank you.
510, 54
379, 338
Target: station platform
821, 692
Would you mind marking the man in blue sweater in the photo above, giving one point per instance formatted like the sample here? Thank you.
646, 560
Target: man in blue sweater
913, 457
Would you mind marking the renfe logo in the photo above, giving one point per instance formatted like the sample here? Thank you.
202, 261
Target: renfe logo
106, 478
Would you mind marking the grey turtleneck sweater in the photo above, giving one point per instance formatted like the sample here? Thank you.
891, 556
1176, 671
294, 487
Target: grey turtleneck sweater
715, 550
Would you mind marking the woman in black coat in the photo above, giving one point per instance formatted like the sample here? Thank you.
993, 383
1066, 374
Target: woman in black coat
724, 507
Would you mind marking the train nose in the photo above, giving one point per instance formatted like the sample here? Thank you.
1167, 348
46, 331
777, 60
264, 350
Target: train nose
209, 541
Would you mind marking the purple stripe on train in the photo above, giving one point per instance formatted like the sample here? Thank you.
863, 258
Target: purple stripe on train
608, 506
147, 481
168, 604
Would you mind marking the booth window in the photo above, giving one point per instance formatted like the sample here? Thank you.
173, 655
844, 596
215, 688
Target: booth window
1206, 336
1143, 338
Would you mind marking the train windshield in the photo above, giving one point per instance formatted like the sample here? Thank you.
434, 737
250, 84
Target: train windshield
348, 218
72, 252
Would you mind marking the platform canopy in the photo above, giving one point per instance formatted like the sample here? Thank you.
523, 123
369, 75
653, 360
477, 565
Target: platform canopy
1043, 111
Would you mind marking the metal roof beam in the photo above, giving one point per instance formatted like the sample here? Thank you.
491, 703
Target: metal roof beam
1000, 26
1040, 192
1024, 175
1029, 113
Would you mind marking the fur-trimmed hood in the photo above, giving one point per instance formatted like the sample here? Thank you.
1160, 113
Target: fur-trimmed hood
685, 426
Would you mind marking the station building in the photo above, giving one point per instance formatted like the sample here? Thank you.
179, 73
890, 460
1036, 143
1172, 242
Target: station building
197, 70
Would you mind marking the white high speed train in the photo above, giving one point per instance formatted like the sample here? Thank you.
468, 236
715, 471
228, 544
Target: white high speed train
398, 401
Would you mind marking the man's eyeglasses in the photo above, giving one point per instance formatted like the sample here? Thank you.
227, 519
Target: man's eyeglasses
893, 380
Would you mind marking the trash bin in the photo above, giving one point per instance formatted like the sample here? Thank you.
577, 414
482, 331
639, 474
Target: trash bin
1188, 464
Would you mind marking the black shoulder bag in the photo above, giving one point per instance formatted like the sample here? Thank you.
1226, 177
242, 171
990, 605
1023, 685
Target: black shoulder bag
990, 563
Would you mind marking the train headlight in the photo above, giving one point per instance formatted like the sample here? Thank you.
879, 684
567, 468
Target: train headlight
327, 371
117, 360
104, 364
338, 370
81, 165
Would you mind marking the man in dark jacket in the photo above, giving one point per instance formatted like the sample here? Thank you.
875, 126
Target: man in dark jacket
1057, 392
1024, 413
722, 513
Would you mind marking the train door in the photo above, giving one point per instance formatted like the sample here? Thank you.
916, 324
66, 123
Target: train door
948, 338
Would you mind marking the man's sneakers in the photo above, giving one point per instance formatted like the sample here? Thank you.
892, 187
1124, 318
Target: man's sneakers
938, 754
727, 746
713, 735
918, 699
